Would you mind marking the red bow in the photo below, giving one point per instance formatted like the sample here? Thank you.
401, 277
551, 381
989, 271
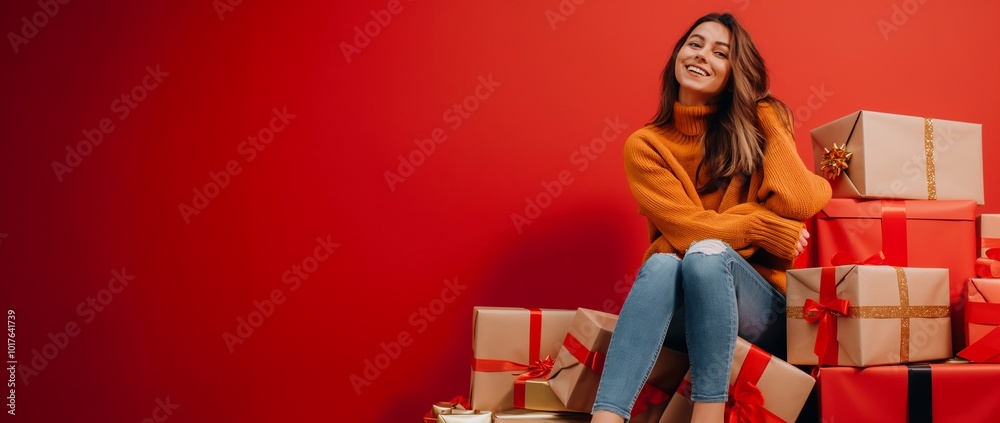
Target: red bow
540, 368
745, 405
989, 266
826, 314
814, 311
459, 400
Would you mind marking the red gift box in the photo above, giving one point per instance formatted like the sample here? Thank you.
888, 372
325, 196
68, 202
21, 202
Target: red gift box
942, 393
910, 233
983, 321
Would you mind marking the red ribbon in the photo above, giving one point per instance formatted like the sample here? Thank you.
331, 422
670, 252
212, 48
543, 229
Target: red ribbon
841, 258
459, 400
985, 350
989, 265
982, 313
825, 312
746, 403
538, 369
648, 396
894, 232
534, 351
991, 243
594, 360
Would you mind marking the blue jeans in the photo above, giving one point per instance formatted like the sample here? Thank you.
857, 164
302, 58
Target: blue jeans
716, 295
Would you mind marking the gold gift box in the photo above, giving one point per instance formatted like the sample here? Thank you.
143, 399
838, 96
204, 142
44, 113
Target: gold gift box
531, 416
538, 395
895, 315
904, 157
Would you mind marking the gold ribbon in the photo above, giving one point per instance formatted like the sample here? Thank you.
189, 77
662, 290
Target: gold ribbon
904, 312
929, 157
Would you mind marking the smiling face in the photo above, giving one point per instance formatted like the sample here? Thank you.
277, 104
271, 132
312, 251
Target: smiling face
702, 68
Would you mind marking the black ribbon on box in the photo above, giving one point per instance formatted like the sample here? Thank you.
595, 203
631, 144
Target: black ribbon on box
919, 393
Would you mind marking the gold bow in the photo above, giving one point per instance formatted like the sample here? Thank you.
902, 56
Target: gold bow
835, 161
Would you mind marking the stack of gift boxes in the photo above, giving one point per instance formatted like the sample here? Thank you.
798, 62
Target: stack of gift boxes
887, 306
543, 365
905, 278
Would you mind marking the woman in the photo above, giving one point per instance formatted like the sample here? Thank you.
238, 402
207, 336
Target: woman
725, 193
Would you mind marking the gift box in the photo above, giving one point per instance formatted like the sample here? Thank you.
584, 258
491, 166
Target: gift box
457, 405
538, 396
942, 393
935, 234
983, 321
762, 389
531, 416
474, 416
867, 315
511, 346
881, 155
577, 370
988, 226
983, 308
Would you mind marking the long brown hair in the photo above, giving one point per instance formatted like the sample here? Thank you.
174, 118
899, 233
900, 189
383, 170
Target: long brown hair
734, 141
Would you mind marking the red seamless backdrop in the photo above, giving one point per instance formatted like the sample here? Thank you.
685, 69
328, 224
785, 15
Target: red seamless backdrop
219, 210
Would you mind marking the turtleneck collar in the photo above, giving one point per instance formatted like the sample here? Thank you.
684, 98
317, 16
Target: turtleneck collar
691, 120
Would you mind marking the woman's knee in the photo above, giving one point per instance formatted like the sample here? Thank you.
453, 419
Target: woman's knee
661, 263
659, 270
706, 264
708, 247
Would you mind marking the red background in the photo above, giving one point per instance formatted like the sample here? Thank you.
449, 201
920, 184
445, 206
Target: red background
324, 175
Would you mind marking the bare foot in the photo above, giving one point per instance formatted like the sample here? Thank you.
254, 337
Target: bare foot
708, 412
601, 416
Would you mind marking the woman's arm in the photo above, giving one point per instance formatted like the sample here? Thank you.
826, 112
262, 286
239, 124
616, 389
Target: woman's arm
665, 200
788, 188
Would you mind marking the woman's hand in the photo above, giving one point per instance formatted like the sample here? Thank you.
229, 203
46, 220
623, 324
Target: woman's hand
803, 242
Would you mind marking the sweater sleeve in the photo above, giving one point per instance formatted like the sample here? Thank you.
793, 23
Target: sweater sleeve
789, 188
664, 199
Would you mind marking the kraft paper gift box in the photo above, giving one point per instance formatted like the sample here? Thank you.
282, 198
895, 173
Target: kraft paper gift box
762, 389
508, 342
531, 416
903, 157
939, 393
935, 234
577, 370
867, 315
988, 226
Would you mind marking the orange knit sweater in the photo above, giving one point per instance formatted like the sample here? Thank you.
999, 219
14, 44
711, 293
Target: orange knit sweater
760, 218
